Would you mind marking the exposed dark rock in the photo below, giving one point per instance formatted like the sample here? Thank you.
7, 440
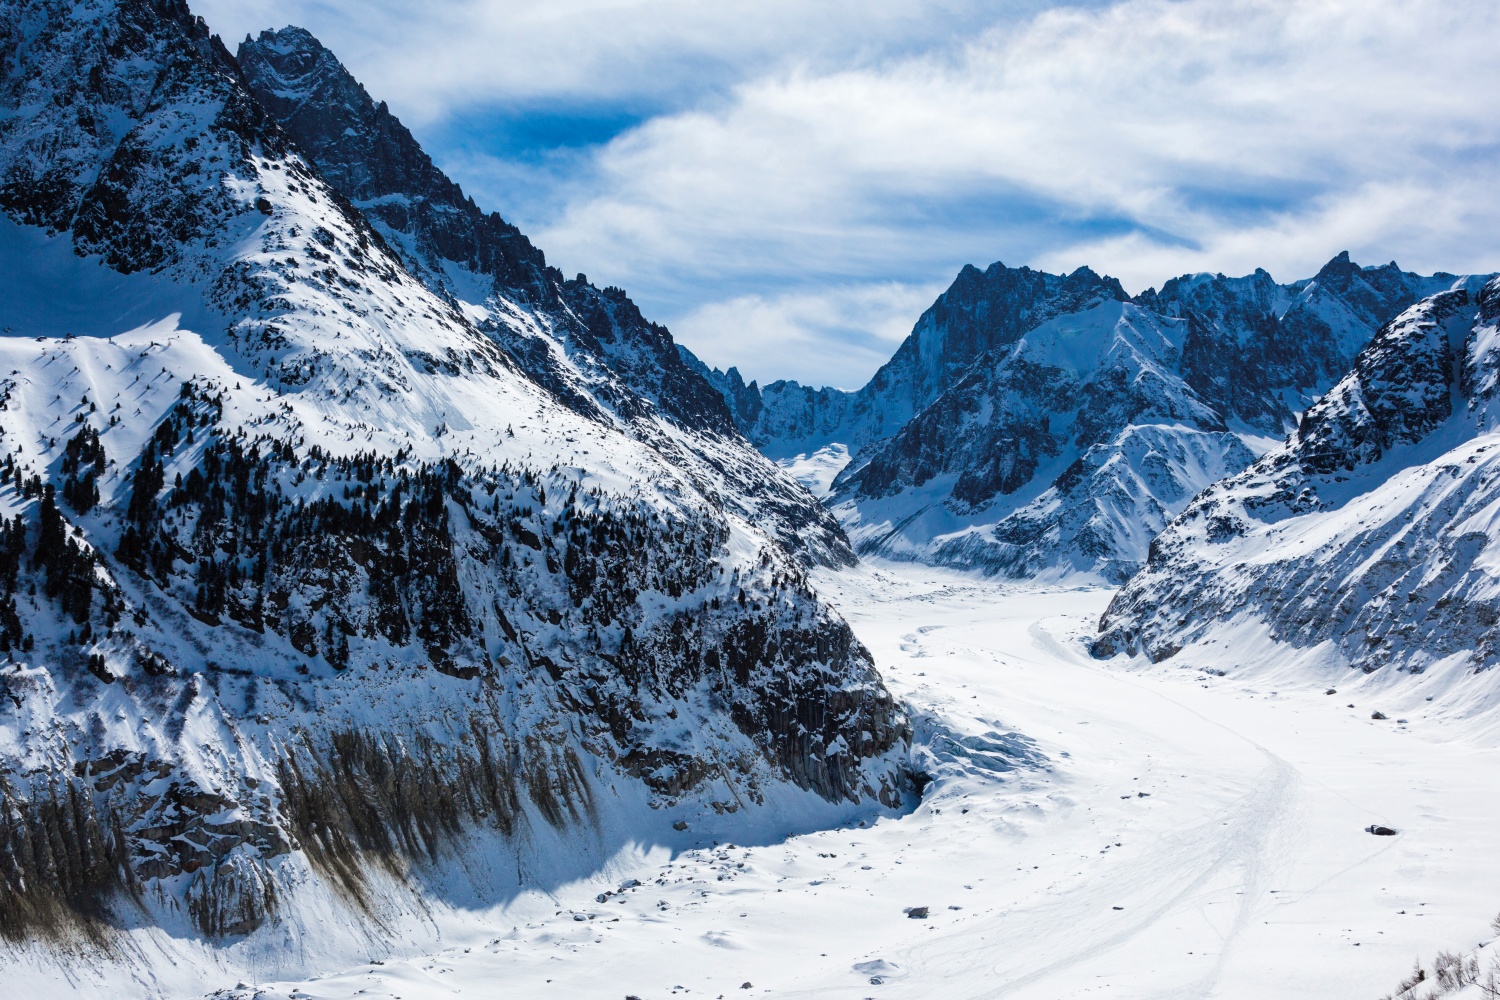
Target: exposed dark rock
253, 649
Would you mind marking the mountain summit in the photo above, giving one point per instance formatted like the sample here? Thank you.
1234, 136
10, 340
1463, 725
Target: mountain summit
591, 347
340, 534
1036, 424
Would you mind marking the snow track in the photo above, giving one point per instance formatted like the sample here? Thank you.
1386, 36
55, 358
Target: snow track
1161, 832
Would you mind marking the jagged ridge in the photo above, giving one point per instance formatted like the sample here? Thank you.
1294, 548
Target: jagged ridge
1366, 529
310, 577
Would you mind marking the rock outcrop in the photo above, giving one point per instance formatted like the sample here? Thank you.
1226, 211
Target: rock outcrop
1368, 529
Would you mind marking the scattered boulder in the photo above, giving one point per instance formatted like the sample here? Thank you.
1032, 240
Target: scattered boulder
680, 825
1380, 831
916, 912
1377, 715
1331, 691
878, 970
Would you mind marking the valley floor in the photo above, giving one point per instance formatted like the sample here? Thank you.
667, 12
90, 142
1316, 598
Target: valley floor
1187, 835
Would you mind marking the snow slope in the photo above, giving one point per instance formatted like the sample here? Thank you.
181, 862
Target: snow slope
1368, 530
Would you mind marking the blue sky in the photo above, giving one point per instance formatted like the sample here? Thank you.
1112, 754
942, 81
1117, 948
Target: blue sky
787, 185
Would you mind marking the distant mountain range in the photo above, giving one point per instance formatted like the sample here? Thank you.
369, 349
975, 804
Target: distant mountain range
1035, 424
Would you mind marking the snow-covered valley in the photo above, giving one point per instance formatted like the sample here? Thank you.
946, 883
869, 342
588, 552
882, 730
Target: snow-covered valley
385, 613
1164, 831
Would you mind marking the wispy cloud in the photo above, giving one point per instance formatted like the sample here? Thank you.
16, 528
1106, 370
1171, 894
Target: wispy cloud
816, 337
778, 181
432, 57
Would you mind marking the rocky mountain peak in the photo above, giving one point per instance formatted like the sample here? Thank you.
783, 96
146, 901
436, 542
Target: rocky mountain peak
373, 160
310, 569
591, 346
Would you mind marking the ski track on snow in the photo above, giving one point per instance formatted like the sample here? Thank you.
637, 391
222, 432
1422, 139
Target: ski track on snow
1184, 836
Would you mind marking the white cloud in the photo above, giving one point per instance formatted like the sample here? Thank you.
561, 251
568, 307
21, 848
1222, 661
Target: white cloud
1145, 139
1165, 117
817, 338
429, 58
812, 157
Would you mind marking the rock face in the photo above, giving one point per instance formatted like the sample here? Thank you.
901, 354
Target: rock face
982, 311
590, 346
1036, 424
309, 574
1368, 528
1254, 346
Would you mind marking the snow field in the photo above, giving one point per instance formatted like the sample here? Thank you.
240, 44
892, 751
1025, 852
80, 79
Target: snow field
1186, 835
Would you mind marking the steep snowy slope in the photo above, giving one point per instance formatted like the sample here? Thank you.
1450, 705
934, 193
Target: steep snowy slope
1369, 529
591, 346
1037, 424
990, 445
306, 583
1255, 348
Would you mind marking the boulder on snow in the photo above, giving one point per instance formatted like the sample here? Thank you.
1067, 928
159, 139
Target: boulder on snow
916, 912
1380, 831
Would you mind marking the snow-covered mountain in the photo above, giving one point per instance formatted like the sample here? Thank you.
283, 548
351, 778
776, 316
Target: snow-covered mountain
1369, 529
310, 574
980, 311
590, 346
1036, 424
